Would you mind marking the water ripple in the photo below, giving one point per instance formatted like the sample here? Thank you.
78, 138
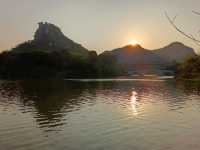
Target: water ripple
93, 114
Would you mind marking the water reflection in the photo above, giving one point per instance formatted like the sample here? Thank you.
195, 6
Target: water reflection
50, 102
134, 102
84, 113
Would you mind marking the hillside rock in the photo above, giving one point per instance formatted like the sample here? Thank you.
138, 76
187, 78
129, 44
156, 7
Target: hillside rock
48, 38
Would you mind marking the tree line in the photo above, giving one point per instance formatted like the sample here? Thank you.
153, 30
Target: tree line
62, 64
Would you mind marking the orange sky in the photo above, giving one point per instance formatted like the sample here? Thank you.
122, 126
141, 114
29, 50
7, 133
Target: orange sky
100, 24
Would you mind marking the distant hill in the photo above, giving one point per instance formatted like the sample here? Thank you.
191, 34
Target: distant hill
175, 52
50, 50
138, 59
135, 55
52, 55
48, 38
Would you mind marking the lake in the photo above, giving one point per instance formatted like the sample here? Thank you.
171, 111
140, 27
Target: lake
120, 114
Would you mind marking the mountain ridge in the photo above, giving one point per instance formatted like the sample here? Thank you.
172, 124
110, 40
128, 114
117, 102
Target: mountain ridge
175, 49
49, 38
51, 48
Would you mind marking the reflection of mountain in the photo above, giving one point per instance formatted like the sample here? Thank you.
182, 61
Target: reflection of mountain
50, 98
52, 101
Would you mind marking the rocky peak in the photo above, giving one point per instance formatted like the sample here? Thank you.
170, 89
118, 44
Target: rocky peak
49, 32
48, 37
43, 30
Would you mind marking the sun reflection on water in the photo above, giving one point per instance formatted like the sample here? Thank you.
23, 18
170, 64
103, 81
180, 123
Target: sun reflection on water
133, 102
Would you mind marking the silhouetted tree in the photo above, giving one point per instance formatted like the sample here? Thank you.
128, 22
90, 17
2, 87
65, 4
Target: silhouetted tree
190, 69
56, 64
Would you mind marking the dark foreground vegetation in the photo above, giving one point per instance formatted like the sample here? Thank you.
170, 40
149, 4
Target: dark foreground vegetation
57, 65
190, 69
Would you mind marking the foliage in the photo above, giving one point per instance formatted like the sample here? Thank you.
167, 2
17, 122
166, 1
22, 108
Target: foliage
190, 69
56, 64
107, 64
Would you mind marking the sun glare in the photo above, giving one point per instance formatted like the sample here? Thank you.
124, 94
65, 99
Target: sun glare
133, 42
134, 103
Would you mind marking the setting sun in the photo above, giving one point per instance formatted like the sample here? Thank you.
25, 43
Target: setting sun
133, 42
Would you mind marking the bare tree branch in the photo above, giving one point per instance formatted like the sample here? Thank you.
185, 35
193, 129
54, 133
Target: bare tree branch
174, 18
172, 22
197, 43
195, 12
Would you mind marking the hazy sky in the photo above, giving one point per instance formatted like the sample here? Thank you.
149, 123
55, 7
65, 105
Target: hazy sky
100, 24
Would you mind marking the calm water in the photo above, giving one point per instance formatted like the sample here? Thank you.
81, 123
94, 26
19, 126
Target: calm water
99, 115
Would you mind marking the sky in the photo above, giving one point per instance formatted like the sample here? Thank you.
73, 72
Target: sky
101, 24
